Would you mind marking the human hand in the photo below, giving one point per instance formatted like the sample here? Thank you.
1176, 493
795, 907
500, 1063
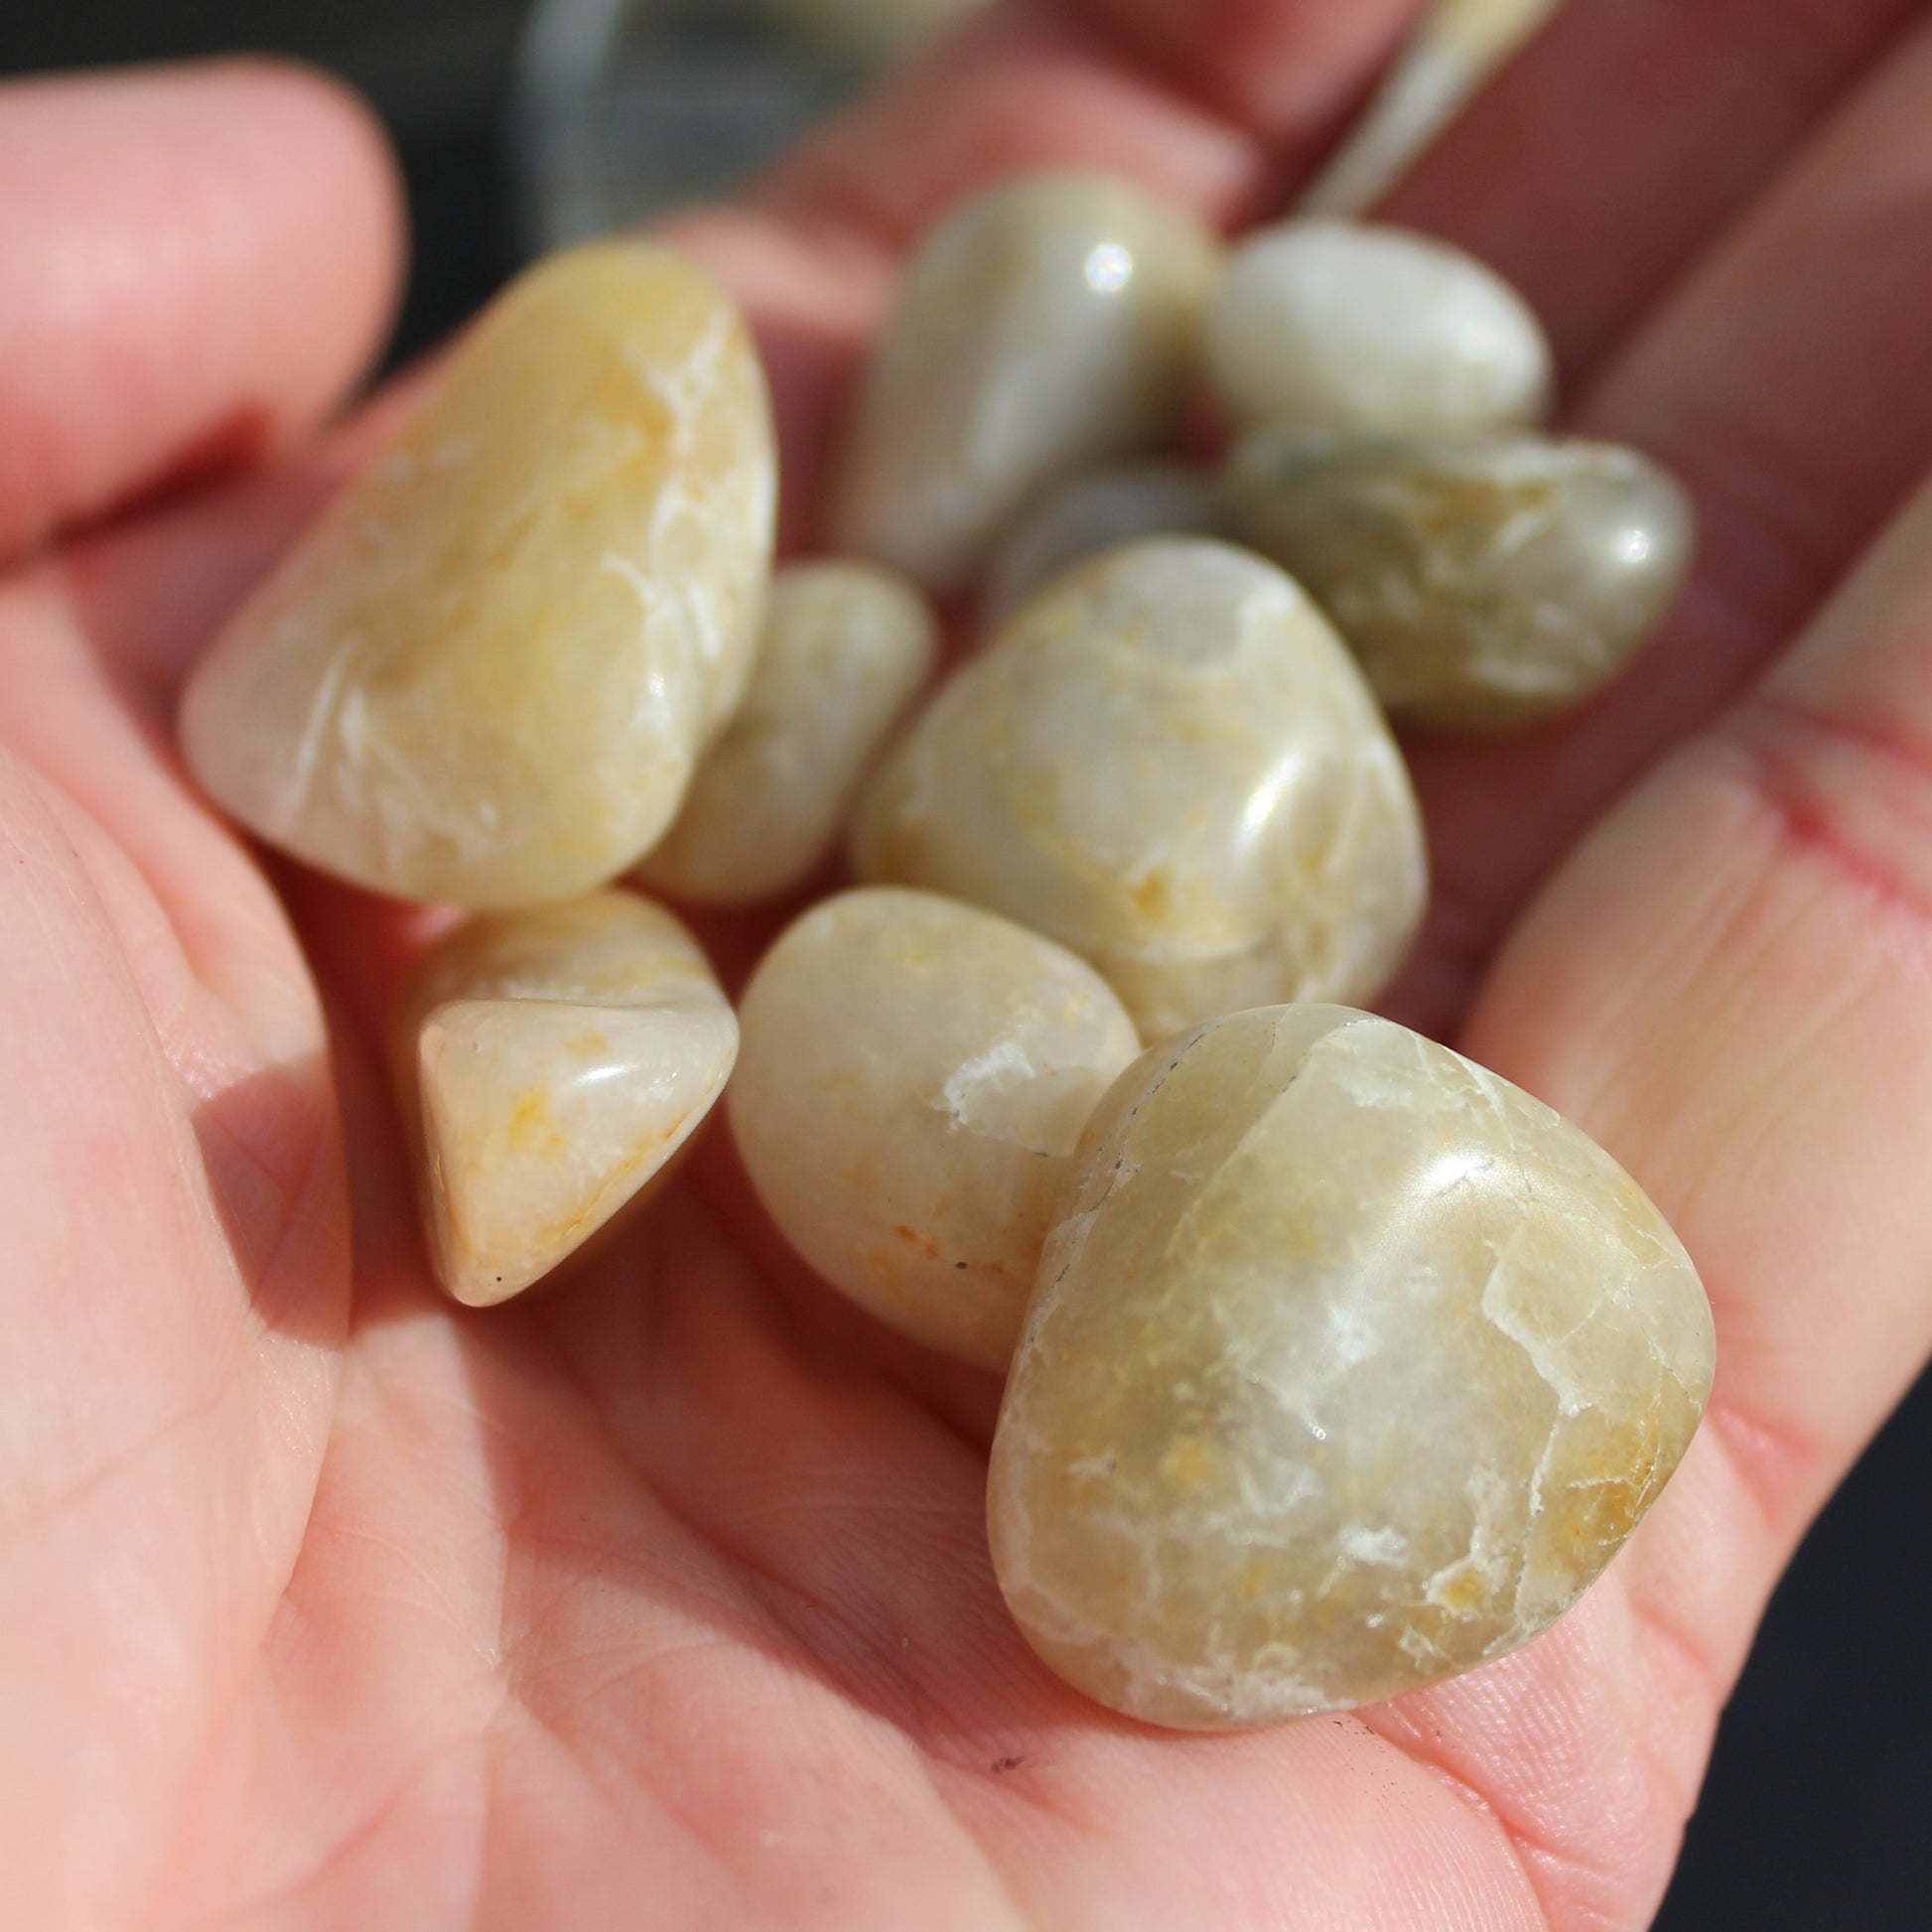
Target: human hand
662, 1599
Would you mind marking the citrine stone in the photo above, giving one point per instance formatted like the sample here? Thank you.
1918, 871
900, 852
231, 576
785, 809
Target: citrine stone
1047, 324
487, 673
1169, 765
1349, 1366
845, 648
914, 1078
550, 1062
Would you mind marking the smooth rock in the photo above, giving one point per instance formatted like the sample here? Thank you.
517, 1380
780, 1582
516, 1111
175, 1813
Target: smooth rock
487, 673
1169, 763
1049, 324
551, 1062
914, 1078
1349, 1367
845, 648
1094, 511
1336, 325
1485, 584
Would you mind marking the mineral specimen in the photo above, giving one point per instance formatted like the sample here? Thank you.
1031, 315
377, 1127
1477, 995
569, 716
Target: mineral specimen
1049, 324
1333, 325
1349, 1367
487, 673
550, 1064
846, 647
1169, 763
1485, 583
914, 1078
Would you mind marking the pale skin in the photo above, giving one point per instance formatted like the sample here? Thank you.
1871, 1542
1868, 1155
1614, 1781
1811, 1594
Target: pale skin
662, 1599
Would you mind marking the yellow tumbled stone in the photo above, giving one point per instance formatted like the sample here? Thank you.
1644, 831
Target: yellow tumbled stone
550, 1062
1349, 1366
487, 675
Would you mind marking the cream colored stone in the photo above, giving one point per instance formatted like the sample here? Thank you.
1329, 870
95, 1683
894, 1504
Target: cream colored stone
1336, 325
486, 675
1169, 765
551, 1062
1485, 583
1047, 324
845, 648
1094, 511
914, 1078
1349, 1367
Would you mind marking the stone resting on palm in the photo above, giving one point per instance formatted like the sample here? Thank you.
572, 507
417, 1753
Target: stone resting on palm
664, 1601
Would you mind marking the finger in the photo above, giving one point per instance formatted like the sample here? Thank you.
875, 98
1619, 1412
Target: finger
1777, 383
1629, 134
194, 263
1728, 987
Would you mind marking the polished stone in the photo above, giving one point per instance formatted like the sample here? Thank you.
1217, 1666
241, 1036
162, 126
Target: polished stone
1485, 584
1349, 1367
550, 1064
1169, 765
914, 1078
1047, 324
487, 673
845, 648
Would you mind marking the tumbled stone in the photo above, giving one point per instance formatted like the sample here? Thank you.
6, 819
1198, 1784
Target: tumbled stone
1094, 512
550, 1062
1049, 324
1336, 325
1485, 584
846, 647
914, 1078
1349, 1367
485, 674
1169, 763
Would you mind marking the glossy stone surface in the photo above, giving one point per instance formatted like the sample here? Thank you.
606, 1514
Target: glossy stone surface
1485, 583
1349, 1367
845, 648
914, 1078
550, 1064
485, 674
1047, 324
1344, 325
1094, 512
1169, 765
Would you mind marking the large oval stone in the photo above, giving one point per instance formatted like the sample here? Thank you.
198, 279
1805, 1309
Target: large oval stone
487, 673
1169, 765
1349, 1366
1050, 323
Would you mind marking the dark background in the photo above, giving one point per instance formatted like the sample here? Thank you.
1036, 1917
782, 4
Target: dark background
1815, 1817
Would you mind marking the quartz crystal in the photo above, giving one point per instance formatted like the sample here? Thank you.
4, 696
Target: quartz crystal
487, 673
1094, 512
1485, 583
1050, 323
1349, 1367
1334, 324
551, 1062
914, 1079
1169, 763
846, 647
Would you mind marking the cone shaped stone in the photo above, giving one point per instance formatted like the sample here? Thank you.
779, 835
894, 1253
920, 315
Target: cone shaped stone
487, 673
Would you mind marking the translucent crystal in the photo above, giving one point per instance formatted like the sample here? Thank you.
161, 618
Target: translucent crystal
551, 1062
914, 1078
1485, 583
1349, 1366
1169, 765
845, 649
1047, 324
486, 675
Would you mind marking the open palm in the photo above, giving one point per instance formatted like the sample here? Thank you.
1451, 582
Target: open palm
662, 1599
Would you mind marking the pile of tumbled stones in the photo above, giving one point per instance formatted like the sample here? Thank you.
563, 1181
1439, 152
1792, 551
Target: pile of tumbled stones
1336, 1364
